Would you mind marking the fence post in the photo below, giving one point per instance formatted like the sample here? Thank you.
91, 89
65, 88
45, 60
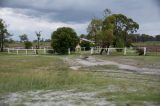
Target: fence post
8, 51
26, 52
91, 50
144, 51
44, 50
108, 51
125, 51
17, 51
69, 52
35, 51
156, 51
99, 49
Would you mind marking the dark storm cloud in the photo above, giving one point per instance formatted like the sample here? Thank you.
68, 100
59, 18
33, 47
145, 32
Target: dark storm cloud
79, 10
158, 4
72, 15
158, 1
57, 10
59, 15
145, 12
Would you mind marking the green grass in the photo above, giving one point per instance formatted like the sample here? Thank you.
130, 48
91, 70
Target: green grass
37, 72
24, 73
132, 99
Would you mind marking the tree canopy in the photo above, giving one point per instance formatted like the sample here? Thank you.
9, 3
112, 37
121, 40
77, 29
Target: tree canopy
123, 26
105, 34
94, 26
112, 29
23, 38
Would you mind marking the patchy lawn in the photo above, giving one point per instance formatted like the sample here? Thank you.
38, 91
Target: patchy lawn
42, 80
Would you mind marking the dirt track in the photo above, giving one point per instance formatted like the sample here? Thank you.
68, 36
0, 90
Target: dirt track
91, 61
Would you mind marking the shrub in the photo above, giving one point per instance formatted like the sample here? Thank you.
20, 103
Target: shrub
28, 45
64, 38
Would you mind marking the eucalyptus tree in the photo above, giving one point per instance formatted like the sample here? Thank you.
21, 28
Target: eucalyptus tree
112, 29
105, 35
94, 26
124, 26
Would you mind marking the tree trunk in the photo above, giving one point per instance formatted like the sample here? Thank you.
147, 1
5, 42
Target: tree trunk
104, 49
101, 51
38, 44
36, 49
2, 43
1, 47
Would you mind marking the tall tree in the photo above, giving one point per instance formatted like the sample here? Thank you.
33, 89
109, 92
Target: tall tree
94, 26
38, 34
112, 29
3, 34
23, 38
124, 26
105, 35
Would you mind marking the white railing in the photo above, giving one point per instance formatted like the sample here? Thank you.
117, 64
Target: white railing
125, 50
94, 50
27, 51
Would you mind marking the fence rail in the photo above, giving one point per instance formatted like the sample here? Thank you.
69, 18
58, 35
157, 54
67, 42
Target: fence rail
28, 51
123, 51
94, 50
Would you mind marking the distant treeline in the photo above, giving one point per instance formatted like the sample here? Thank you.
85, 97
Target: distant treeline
10, 40
143, 37
132, 37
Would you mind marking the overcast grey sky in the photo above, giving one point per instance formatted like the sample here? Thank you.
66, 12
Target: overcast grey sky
28, 16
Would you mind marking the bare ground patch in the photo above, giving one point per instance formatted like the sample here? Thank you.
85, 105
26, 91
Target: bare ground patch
55, 98
91, 61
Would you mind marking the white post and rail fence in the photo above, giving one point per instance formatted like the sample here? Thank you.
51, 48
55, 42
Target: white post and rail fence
27, 51
30, 51
94, 50
125, 50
